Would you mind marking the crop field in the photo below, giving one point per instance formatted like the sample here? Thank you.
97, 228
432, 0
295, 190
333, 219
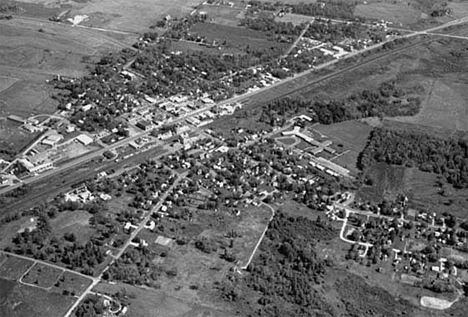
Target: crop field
42, 275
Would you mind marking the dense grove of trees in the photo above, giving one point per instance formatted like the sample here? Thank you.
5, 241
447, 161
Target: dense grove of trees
279, 31
326, 8
42, 244
448, 157
329, 9
334, 32
285, 272
386, 100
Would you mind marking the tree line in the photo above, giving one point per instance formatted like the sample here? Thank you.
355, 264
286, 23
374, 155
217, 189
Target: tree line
445, 156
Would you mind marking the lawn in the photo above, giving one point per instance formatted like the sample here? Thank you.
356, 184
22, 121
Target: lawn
352, 134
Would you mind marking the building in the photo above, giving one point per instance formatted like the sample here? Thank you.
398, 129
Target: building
145, 125
17, 119
52, 140
84, 139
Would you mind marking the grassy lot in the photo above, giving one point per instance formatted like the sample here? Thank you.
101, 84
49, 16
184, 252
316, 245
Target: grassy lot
223, 15
13, 268
399, 13
351, 134
425, 192
25, 301
71, 282
150, 302
387, 181
295, 19
42, 275
76, 222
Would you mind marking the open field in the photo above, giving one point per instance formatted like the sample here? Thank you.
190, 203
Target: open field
222, 15
349, 137
424, 190
13, 268
120, 15
150, 302
76, 222
295, 19
25, 301
237, 37
398, 12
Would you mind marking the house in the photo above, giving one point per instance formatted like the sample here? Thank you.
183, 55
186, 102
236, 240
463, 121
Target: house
84, 139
